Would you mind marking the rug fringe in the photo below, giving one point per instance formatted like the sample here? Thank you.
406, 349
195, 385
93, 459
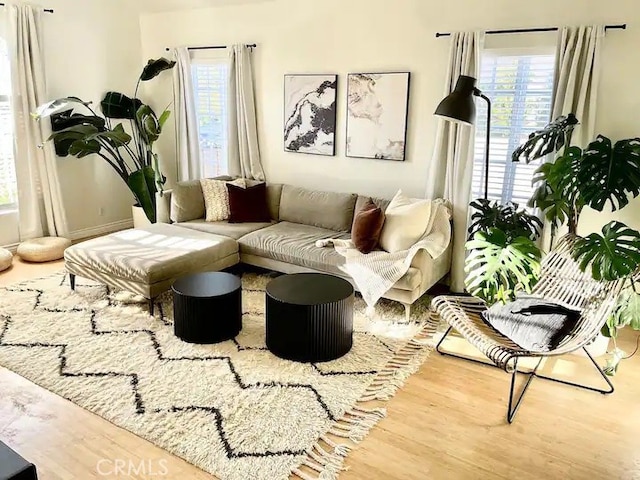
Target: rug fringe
326, 458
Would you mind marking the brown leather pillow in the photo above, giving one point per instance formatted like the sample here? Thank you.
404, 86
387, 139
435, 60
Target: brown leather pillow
367, 226
248, 204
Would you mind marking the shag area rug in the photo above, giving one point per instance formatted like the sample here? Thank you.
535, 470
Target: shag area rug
232, 409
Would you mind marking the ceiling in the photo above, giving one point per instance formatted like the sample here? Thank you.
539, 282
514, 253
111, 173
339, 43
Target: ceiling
170, 5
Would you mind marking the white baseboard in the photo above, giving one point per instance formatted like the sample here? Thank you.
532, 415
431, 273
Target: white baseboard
12, 248
88, 232
101, 229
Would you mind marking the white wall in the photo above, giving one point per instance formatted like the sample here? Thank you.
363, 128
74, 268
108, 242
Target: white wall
92, 47
298, 36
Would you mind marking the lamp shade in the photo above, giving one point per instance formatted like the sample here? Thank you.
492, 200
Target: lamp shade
459, 105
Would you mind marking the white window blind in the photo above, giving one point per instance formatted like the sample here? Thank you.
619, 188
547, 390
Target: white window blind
521, 89
210, 84
8, 187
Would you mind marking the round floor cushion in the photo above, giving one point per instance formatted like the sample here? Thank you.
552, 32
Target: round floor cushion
44, 249
5, 259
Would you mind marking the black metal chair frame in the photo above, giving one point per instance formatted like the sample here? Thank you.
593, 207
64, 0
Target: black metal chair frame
515, 400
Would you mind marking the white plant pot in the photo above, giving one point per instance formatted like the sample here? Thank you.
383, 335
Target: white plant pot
597, 348
140, 220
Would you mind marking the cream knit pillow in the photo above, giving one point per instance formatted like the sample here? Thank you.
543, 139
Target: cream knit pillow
216, 198
406, 221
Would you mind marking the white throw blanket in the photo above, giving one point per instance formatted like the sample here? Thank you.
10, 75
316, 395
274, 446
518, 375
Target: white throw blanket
376, 272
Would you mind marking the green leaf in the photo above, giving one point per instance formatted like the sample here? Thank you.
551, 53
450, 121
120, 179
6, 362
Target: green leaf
498, 267
84, 147
116, 137
142, 185
148, 124
118, 106
67, 119
155, 68
56, 106
508, 218
548, 140
556, 192
613, 255
626, 312
609, 173
65, 138
163, 118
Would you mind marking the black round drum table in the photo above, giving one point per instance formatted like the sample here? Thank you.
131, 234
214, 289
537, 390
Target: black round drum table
207, 307
309, 317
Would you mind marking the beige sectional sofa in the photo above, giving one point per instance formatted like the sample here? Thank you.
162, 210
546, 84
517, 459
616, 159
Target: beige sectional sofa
287, 244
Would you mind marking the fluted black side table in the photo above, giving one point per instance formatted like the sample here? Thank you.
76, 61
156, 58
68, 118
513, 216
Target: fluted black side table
207, 307
309, 317
14, 467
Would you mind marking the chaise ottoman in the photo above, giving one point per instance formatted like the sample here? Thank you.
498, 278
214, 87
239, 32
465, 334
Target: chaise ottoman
148, 260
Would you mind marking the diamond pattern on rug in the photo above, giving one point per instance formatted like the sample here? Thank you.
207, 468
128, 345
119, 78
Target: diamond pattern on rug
232, 409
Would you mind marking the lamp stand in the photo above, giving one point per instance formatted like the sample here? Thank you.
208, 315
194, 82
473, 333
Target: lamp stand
478, 93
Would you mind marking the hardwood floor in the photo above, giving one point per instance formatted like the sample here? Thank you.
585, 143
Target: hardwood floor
448, 422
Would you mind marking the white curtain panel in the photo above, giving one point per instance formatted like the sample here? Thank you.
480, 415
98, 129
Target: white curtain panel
577, 78
40, 206
244, 151
576, 91
450, 173
187, 139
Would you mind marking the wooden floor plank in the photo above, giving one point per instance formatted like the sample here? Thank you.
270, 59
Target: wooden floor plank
447, 422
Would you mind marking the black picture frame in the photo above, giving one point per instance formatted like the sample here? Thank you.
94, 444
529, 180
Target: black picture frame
404, 118
333, 114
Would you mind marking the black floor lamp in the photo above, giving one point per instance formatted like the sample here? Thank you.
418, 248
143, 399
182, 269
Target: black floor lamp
459, 107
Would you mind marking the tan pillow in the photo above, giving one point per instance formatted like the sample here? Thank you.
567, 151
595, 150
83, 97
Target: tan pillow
216, 198
406, 221
187, 202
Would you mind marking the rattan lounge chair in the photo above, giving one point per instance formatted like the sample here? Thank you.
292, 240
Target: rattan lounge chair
561, 280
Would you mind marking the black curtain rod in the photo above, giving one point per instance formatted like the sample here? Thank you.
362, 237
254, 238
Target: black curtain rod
48, 10
622, 26
214, 47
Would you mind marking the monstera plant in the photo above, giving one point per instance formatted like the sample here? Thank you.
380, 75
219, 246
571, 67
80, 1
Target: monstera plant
127, 146
503, 255
604, 173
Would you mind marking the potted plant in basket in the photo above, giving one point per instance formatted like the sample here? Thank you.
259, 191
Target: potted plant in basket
602, 173
127, 146
502, 261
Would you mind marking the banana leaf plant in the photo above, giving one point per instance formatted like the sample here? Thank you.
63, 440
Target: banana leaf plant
129, 151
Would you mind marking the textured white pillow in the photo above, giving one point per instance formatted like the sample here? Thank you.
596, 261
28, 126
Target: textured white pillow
406, 221
216, 198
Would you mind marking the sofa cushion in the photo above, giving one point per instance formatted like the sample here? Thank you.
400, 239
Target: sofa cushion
367, 226
153, 254
328, 210
405, 223
187, 201
295, 243
381, 203
231, 230
216, 197
274, 194
248, 204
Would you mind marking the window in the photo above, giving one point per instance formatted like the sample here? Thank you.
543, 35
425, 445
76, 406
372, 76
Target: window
210, 79
521, 90
8, 187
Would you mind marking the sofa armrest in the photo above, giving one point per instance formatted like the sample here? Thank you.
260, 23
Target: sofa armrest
433, 269
163, 207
